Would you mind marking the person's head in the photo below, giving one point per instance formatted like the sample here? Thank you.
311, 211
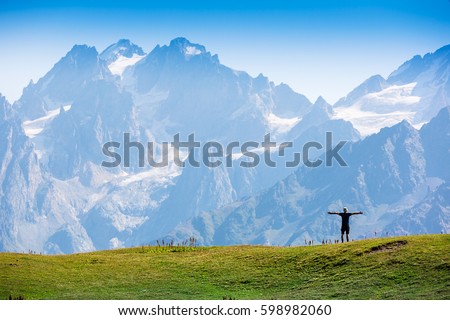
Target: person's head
345, 209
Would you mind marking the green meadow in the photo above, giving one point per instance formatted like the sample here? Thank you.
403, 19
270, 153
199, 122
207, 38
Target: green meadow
411, 267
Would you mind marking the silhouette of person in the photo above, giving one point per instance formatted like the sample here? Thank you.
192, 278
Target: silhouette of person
345, 227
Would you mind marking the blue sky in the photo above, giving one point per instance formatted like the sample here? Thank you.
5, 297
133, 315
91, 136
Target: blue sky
317, 47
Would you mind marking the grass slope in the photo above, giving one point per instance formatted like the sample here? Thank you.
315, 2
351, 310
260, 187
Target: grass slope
414, 267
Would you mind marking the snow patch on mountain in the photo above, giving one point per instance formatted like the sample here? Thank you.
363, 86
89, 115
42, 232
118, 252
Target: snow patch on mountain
281, 125
416, 91
392, 96
118, 66
192, 51
368, 123
122, 48
123, 222
155, 174
378, 110
32, 128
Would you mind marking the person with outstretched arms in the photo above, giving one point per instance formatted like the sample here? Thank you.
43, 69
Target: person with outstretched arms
345, 227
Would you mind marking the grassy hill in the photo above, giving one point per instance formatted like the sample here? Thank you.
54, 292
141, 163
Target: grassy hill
414, 267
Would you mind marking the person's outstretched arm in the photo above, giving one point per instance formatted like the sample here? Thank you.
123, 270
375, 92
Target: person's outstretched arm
329, 212
360, 212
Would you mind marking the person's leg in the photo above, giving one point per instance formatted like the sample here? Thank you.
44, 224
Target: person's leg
347, 233
342, 236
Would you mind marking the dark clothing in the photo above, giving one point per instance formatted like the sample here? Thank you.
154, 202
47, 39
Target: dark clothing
345, 229
345, 218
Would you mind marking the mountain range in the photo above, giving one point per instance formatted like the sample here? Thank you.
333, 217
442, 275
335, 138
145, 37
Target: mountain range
56, 197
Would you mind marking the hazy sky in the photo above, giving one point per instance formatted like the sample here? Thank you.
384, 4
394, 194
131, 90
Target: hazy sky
317, 47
